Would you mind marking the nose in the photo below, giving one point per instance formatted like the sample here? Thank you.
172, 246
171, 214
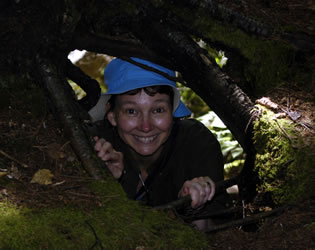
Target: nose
145, 124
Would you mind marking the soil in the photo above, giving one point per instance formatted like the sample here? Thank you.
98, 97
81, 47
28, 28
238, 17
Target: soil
31, 142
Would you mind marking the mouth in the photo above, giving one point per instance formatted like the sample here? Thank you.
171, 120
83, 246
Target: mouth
145, 139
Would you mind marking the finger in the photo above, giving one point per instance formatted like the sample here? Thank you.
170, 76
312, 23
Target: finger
205, 192
105, 149
208, 185
211, 186
112, 157
196, 193
196, 196
115, 156
184, 190
99, 143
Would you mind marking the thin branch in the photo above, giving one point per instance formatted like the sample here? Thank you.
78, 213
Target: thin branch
97, 240
13, 159
245, 221
206, 215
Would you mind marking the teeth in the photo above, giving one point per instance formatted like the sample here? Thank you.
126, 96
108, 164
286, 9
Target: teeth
145, 139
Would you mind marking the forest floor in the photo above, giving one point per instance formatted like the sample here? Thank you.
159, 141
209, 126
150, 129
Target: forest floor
31, 141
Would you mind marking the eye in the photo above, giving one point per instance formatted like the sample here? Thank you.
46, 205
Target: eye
159, 110
131, 111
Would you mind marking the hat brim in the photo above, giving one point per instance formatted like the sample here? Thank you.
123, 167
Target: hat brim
97, 113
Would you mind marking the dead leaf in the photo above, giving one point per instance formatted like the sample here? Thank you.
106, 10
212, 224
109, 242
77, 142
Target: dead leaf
43, 177
3, 174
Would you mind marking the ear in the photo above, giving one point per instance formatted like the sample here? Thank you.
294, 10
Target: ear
112, 118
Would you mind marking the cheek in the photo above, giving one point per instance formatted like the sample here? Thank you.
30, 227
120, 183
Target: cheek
126, 125
164, 124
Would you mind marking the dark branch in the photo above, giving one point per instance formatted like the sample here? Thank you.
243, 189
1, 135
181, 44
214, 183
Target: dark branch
114, 47
70, 113
248, 220
219, 12
89, 85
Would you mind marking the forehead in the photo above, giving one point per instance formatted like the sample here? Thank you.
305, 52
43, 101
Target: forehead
142, 98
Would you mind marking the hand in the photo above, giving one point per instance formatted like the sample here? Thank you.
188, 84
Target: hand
201, 190
112, 158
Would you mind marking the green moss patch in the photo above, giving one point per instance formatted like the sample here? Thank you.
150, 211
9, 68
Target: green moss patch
269, 63
284, 164
116, 223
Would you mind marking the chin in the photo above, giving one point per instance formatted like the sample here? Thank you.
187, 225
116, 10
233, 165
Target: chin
146, 152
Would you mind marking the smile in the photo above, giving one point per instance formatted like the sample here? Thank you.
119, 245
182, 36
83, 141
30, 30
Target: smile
147, 139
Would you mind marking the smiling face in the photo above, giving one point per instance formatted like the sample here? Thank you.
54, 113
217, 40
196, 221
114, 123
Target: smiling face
144, 122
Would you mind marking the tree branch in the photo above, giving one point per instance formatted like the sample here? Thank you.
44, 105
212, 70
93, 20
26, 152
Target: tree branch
114, 46
248, 220
220, 12
89, 85
70, 113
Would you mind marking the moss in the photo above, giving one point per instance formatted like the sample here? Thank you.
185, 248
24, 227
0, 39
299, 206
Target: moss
118, 222
268, 61
284, 164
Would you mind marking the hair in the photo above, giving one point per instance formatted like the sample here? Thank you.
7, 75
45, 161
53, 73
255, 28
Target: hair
151, 91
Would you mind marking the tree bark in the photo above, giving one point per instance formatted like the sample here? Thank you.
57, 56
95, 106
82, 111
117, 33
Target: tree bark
70, 113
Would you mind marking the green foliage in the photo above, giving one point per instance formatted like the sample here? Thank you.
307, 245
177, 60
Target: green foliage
284, 164
231, 150
197, 106
78, 91
218, 56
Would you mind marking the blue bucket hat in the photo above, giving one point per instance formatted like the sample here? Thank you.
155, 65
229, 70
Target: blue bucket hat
122, 76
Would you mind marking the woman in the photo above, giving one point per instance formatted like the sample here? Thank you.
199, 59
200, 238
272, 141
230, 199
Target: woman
156, 156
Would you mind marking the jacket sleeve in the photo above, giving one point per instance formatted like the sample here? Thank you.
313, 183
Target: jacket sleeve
201, 152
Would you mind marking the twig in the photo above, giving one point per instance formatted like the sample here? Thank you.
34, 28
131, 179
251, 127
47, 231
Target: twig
13, 159
97, 240
82, 195
65, 144
245, 221
207, 215
284, 132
